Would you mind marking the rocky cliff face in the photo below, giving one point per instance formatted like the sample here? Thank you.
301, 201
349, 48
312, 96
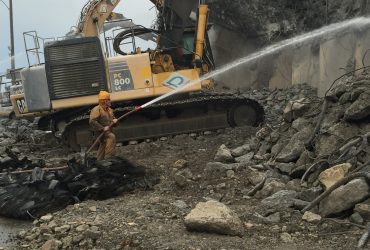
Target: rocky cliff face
243, 27
271, 21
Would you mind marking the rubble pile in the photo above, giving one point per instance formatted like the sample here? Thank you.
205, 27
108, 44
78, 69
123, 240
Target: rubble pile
275, 101
317, 144
275, 186
30, 194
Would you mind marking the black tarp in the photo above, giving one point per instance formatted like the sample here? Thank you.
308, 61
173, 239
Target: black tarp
28, 195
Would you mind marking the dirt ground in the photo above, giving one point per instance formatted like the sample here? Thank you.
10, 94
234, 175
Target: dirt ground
153, 219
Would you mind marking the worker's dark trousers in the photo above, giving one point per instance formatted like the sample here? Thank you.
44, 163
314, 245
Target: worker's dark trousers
107, 146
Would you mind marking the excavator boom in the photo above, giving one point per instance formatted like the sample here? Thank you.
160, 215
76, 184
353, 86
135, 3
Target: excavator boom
96, 12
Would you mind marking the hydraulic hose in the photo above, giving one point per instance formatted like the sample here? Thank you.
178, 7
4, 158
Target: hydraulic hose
126, 34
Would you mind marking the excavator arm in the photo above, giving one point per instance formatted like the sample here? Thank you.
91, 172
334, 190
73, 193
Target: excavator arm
96, 12
93, 16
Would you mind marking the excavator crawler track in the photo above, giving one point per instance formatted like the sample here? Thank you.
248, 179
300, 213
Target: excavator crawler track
180, 114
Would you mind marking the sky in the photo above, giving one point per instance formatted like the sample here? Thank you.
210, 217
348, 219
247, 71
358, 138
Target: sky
54, 18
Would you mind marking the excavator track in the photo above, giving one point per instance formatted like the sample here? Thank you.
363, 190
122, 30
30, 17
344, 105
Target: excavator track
194, 112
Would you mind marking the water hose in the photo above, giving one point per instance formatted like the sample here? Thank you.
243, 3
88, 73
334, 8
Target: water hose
137, 108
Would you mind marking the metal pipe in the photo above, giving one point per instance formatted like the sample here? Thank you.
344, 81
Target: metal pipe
201, 29
12, 61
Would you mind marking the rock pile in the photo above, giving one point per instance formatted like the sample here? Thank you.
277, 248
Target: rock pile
51, 231
285, 158
251, 188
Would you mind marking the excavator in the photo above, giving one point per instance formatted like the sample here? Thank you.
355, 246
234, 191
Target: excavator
64, 89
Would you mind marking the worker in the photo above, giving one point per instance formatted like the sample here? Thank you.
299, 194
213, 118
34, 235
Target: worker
101, 117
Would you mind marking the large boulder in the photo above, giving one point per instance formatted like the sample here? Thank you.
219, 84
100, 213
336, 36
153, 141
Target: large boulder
344, 197
214, 217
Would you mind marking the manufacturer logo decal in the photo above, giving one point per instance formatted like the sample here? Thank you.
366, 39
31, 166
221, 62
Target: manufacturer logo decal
175, 81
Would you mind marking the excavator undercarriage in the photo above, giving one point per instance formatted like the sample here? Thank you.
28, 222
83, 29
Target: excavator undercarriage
184, 113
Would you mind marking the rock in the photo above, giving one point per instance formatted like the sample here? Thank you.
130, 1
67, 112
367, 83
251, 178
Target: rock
77, 238
180, 164
193, 135
300, 123
356, 218
230, 173
92, 233
294, 184
271, 186
295, 109
52, 224
286, 238
180, 180
333, 117
186, 173
255, 177
346, 97
274, 137
62, 229
180, 204
330, 176
360, 109
299, 204
310, 194
213, 168
242, 150
276, 149
331, 140
311, 217
45, 229
245, 159
263, 132
46, 218
273, 218
280, 199
344, 197
21, 234
82, 228
67, 242
363, 209
214, 217
92, 208
286, 168
264, 148
224, 155
293, 150
51, 245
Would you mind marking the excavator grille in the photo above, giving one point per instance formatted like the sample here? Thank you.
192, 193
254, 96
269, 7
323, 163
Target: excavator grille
75, 67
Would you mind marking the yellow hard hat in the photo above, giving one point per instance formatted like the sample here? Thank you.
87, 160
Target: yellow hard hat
104, 95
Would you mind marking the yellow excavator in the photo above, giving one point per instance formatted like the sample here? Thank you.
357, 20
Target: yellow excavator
64, 90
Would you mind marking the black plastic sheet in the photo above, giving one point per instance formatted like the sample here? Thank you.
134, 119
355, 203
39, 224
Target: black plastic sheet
30, 195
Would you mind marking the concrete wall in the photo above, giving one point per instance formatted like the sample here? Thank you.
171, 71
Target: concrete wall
317, 64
